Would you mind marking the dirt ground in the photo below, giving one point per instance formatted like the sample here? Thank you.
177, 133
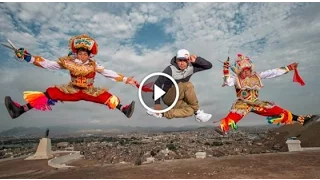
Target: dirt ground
281, 165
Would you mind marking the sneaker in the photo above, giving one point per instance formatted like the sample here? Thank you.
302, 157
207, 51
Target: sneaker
12, 107
310, 119
154, 114
202, 116
128, 109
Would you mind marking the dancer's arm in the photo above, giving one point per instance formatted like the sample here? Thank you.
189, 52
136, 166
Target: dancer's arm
38, 60
273, 73
114, 76
228, 79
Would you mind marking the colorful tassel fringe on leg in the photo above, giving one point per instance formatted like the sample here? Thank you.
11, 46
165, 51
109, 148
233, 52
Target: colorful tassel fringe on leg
285, 118
38, 100
112, 102
226, 123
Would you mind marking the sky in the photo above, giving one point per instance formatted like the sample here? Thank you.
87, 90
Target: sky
137, 39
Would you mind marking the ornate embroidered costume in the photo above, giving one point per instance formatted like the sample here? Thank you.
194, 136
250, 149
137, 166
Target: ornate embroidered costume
81, 85
247, 91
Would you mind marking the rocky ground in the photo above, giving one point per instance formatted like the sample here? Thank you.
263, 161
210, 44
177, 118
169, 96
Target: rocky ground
271, 165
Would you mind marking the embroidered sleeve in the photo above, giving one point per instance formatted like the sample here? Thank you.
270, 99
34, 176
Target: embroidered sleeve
228, 80
45, 63
272, 73
114, 76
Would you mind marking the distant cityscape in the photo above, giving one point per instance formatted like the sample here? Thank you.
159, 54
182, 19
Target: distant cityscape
136, 144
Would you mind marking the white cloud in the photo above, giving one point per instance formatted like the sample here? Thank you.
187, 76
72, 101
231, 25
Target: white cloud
272, 34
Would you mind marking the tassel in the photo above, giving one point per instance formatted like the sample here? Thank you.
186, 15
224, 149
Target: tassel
233, 125
225, 123
297, 78
112, 102
38, 100
275, 119
285, 118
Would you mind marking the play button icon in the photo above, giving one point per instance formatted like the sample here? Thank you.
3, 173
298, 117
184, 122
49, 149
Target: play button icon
148, 99
158, 92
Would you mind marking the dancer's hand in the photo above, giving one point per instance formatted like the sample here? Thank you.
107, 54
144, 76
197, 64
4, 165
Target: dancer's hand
226, 64
22, 53
292, 66
132, 81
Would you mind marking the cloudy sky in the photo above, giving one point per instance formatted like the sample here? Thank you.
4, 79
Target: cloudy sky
140, 38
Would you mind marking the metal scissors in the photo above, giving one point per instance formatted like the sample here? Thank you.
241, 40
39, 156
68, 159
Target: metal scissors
13, 48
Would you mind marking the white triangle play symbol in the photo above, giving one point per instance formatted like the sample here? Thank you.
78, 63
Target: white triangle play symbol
158, 92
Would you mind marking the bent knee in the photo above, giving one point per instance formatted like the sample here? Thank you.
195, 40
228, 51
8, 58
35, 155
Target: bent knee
189, 111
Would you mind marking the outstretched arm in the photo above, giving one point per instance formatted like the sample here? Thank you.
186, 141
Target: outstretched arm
273, 73
37, 60
114, 76
44, 63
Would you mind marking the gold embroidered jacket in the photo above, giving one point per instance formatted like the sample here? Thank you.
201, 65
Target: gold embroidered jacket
82, 74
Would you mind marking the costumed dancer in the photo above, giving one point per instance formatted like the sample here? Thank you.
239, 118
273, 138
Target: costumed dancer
247, 84
83, 70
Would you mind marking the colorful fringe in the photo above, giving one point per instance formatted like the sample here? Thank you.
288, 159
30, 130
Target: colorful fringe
285, 118
112, 102
233, 125
38, 100
225, 123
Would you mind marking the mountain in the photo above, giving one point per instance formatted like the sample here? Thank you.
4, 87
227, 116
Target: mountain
22, 131
36, 131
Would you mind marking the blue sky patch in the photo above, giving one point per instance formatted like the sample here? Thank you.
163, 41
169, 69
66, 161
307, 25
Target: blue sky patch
152, 36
